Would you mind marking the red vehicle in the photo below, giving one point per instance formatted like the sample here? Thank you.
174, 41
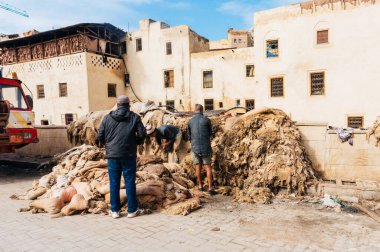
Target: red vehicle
16, 116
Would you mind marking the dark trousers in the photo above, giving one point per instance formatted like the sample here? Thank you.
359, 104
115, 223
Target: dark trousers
127, 167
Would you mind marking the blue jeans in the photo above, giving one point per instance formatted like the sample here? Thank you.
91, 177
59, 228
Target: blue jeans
128, 168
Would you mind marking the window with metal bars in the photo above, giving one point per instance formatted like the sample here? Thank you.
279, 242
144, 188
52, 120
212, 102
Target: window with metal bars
169, 78
209, 104
168, 48
317, 83
272, 48
62, 89
250, 104
112, 90
322, 37
138, 44
40, 91
170, 105
355, 122
250, 71
277, 87
207, 79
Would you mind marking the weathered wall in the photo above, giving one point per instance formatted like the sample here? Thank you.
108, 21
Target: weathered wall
99, 75
348, 163
70, 69
219, 44
341, 161
314, 139
53, 140
333, 159
350, 61
229, 77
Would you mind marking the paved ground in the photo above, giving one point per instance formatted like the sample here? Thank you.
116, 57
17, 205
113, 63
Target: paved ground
283, 226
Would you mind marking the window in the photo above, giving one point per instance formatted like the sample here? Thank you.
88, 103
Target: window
277, 87
123, 47
238, 103
40, 91
170, 105
250, 104
62, 89
44, 122
168, 48
272, 48
220, 104
68, 118
355, 122
317, 83
250, 71
209, 104
138, 45
322, 37
207, 79
169, 78
111, 90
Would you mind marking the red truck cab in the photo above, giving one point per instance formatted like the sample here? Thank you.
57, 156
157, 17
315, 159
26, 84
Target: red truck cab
16, 116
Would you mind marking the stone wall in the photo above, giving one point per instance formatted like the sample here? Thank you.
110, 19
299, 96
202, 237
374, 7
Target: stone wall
341, 161
334, 160
53, 140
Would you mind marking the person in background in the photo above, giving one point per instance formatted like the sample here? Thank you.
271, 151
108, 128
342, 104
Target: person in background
168, 138
121, 131
199, 130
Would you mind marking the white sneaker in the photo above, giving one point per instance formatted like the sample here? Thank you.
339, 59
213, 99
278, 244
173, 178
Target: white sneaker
134, 214
114, 215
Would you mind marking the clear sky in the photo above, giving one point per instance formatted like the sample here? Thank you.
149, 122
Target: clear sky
209, 18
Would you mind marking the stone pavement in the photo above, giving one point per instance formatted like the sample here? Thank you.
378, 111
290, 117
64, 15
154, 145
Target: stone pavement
282, 226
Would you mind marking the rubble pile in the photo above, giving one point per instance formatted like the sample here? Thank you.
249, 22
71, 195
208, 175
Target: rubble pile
255, 156
85, 129
375, 131
260, 154
79, 183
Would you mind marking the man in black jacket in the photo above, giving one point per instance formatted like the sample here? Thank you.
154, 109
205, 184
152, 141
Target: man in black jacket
199, 130
121, 131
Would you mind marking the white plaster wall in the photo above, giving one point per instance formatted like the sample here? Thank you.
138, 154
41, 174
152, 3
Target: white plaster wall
229, 77
147, 67
70, 69
350, 61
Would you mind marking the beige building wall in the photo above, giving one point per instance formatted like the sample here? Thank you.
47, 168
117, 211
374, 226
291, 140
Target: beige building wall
87, 78
229, 77
350, 61
239, 38
99, 75
146, 67
219, 44
70, 69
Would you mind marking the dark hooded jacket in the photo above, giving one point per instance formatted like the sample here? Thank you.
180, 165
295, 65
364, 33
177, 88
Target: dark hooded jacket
199, 130
121, 131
